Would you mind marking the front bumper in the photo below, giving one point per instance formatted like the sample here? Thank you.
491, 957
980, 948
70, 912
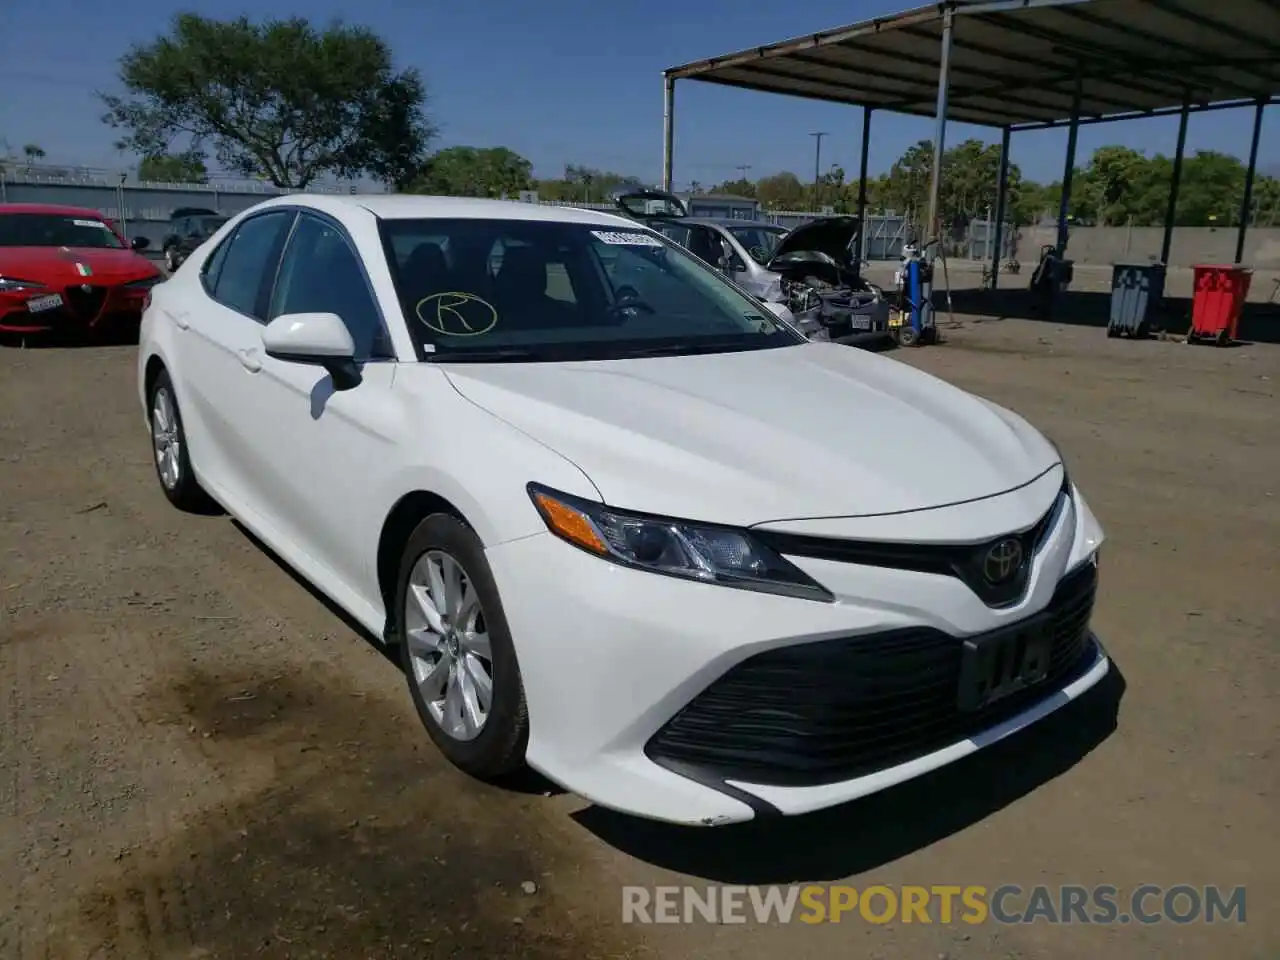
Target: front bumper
104, 306
612, 658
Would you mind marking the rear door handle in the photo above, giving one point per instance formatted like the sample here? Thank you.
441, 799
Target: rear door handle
249, 360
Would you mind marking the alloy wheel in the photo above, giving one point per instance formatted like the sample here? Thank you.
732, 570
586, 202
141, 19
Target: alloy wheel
166, 438
448, 644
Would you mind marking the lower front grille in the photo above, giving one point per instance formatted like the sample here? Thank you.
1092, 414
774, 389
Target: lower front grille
833, 710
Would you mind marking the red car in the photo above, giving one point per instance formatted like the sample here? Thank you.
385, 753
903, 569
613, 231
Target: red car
67, 269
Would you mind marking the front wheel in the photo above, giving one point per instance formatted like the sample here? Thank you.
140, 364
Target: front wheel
456, 650
169, 447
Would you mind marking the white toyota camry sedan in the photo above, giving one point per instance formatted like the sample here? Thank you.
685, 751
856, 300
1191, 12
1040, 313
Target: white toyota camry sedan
623, 524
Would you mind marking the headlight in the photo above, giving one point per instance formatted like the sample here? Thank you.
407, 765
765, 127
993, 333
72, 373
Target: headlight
694, 551
14, 285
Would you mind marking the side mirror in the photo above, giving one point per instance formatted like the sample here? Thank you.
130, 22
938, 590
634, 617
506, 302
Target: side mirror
318, 339
139, 243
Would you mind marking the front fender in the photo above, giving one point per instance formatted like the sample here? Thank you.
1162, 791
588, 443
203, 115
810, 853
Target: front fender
482, 465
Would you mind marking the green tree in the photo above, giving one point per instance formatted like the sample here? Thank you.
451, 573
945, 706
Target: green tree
174, 168
907, 185
781, 191
475, 172
278, 99
595, 186
742, 187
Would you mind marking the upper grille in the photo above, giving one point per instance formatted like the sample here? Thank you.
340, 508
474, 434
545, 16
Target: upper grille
833, 710
963, 561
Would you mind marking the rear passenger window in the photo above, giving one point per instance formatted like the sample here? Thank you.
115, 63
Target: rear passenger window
251, 255
213, 266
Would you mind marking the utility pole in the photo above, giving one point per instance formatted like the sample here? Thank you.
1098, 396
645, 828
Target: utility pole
817, 163
742, 169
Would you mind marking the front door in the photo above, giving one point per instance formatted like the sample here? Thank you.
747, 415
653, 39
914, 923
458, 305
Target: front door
325, 443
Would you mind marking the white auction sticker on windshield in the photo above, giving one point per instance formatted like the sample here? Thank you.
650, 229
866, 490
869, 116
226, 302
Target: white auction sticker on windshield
626, 238
90, 223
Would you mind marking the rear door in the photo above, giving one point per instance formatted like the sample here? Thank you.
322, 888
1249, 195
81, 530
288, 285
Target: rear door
221, 346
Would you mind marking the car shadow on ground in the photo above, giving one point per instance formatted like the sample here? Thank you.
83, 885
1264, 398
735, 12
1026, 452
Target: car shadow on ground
867, 833
525, 781
1259, 322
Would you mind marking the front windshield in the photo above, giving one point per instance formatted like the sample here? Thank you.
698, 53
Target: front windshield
498, 290
55, 230
758, 241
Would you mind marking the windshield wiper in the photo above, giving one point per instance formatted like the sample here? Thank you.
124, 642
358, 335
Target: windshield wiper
503, 355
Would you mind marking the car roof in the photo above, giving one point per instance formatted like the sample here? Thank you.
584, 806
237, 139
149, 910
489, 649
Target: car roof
411, 207
53, 208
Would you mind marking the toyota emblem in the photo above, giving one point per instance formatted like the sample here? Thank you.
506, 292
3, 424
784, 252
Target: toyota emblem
1002, 561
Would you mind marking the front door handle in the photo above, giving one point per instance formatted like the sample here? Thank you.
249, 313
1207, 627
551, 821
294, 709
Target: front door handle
249, 360
180, 320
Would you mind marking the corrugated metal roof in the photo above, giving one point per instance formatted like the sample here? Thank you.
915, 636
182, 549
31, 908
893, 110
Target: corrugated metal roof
1016, 62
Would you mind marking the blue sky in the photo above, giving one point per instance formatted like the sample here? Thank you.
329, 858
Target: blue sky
558, 81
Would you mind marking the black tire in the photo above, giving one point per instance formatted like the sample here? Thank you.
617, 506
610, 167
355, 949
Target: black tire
185, 493
499, 748
907, 335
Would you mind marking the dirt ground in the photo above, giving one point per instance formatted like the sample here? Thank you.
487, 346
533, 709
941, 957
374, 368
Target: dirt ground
198, 758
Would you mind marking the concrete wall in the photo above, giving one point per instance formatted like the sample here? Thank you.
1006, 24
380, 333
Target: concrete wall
146, 205
1191, 245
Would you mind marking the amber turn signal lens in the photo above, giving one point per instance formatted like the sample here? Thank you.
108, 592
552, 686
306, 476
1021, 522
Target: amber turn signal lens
569, 523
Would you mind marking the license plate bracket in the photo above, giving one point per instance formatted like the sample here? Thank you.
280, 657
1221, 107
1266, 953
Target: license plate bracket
997, 665
40, 304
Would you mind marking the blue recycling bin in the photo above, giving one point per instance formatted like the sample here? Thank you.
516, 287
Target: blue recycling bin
1137, 289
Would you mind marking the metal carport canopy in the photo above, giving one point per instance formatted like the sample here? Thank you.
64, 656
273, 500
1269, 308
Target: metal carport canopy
1016, 63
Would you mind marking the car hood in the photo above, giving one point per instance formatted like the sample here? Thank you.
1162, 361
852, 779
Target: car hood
59, 266
815, 430
828, 235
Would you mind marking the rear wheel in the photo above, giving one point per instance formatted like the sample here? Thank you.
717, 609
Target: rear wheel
456, 650
169, 447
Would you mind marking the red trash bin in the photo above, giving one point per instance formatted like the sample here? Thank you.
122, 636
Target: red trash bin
1219, 297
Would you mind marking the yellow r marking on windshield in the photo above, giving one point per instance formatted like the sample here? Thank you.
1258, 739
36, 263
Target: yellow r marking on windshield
448, 317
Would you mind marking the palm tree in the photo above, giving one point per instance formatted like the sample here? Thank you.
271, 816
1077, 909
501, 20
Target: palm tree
33, 152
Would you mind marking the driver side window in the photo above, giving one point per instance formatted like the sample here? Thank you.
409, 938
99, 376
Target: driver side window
320, 273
